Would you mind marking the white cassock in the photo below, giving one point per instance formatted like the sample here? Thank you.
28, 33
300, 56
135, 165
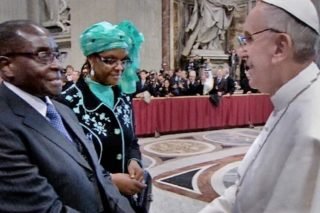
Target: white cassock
281, 171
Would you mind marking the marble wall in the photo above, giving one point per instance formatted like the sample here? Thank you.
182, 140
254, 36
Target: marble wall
13, 9
146, 14
182, 10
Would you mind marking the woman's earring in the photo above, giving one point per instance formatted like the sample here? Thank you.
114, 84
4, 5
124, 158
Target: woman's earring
92, 72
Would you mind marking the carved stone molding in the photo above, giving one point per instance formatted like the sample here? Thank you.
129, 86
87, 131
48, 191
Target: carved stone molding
166, 33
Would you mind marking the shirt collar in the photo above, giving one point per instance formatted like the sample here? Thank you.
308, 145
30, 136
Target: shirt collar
293, 87
35, 102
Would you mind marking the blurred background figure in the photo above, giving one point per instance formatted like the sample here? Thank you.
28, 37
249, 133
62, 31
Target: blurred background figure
230, 82
233, 61
193, 84
75, 76
207, 81
165, 90
67, 77
244, 81
142, 84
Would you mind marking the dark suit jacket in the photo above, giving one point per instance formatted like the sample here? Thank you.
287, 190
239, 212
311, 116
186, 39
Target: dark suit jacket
194, 89
225, 86
112, 137
40, 171
231, 87
140, 88
219, 86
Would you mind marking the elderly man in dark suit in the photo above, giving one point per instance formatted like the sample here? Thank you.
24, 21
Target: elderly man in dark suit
46, 163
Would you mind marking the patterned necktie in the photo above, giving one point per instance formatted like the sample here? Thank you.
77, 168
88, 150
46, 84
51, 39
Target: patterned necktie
56, 121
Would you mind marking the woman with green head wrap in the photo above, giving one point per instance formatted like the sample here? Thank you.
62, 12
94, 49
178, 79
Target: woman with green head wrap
102, 100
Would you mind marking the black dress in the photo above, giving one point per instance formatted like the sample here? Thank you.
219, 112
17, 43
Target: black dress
111, 130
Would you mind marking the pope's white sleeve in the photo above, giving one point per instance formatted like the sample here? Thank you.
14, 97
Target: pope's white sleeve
222, 204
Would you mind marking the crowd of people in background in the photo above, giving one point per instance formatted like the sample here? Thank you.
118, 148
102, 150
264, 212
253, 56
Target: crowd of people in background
190, 82
198, 78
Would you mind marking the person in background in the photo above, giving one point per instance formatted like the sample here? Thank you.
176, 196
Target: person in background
143, 84
233, 61
166, 90
244, 81
68, 72
75, 76
183, 83
206, 81
230, 82
67, 77
193, 84
174, 82
102, 101
281, 170
220, 84
46, 162
161, 79
156, 81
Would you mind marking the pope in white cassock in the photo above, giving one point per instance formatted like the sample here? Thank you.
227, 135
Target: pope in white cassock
281, 171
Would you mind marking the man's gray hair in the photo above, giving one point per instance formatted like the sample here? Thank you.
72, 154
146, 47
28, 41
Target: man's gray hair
305, 40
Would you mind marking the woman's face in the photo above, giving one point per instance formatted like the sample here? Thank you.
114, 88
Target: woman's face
108, 66
166, 84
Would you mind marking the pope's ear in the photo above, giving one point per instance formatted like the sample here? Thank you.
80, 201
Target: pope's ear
284, 47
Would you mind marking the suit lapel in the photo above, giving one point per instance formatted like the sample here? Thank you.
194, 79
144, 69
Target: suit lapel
38, 123
77, 129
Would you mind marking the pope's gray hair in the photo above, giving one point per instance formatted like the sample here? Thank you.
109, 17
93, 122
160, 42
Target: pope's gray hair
305, 39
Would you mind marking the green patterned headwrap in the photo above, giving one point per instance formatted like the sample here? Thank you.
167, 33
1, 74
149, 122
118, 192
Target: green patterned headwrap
104, 36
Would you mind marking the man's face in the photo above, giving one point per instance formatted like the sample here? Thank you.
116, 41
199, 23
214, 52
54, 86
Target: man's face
143, 75
258, 51
32, 74
192, 78
220, 73
75, 76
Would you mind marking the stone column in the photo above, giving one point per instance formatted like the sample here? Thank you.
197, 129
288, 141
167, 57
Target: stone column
166, 32
33, 10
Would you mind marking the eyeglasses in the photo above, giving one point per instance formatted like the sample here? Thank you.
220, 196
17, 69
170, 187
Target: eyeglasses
247, 39
43, 57
113, 62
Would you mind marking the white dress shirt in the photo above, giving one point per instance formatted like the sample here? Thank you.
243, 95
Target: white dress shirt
35, 102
